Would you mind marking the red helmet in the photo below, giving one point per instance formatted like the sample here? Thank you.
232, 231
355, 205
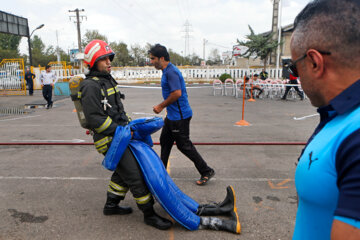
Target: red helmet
96, 50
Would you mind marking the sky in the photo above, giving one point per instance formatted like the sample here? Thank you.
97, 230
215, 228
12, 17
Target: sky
220, 22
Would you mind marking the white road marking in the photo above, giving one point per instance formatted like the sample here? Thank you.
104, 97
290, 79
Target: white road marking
149, 114
11, 119
37, 125
34, 140
309, 116
176, 179
127, 86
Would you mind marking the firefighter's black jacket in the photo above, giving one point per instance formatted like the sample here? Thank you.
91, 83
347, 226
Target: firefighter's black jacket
102, 106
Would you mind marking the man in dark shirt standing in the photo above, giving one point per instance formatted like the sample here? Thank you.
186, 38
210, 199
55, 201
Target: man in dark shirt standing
263, 75
179, 113
29, 77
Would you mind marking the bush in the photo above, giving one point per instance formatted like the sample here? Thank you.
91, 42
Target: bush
224, 76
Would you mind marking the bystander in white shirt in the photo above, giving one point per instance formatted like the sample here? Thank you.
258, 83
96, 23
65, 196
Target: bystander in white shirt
47, 78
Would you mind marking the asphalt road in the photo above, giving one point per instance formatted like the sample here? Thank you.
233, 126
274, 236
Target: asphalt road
58, 192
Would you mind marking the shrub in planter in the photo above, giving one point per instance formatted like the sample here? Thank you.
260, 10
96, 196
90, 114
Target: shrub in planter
224, 76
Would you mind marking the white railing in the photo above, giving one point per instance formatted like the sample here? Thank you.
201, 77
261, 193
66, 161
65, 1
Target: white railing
189, 73
149, 73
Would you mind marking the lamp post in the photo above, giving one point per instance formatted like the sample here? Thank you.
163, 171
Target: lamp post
29, 43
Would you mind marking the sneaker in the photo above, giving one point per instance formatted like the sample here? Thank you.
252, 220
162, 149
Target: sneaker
205, 178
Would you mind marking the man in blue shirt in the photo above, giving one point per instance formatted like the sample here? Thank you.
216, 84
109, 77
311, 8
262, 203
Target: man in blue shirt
325, 48
179, 113
29, 77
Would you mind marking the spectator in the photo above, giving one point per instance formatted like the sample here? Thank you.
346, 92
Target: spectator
325, 47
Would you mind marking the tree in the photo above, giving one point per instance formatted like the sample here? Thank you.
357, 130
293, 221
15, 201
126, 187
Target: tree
42, 55
259, 45
122, 56
91, 35
37, 44
138, 54
195, 60
176, 58
9, 46
214, 57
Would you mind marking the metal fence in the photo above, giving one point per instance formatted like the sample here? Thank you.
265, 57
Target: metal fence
12, 77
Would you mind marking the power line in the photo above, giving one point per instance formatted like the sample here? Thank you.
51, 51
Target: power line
217, 45
145, 22
180, 10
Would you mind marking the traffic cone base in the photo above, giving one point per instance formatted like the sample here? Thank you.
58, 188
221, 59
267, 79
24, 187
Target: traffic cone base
242, 123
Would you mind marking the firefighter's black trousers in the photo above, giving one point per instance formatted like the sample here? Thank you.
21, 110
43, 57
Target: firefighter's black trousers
128, 175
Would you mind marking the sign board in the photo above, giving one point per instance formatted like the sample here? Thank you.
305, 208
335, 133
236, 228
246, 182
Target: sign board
238, 50
12, 24
72, 54
227, 54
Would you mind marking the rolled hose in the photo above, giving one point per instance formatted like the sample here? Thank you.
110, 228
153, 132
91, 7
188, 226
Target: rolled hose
177, 204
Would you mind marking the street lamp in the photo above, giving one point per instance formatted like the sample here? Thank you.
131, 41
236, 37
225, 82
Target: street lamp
29, 43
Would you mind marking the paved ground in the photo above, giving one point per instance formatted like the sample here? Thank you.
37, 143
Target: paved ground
57, 192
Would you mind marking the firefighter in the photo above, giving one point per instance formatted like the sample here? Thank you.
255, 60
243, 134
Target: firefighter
104, 111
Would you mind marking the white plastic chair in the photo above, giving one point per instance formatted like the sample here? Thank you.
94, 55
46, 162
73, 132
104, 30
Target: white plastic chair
238, 87
229, 84
218, 85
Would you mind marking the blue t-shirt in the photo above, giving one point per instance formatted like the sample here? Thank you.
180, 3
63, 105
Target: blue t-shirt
172, 80
327, 177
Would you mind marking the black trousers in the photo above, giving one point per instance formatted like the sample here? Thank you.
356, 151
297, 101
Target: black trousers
128, 175
30, 85
179, 132
296, 89
47, 93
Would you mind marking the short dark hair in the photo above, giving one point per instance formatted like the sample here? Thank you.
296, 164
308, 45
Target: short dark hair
159, 51
330, 25
256, 75
47, 66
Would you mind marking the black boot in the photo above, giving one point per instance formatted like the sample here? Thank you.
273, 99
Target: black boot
152, 219
228, 206
218, 224
112, 206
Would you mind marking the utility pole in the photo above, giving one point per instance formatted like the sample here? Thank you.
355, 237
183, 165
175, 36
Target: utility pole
275, 28
78, 24
279, 40
204, 43
57, 47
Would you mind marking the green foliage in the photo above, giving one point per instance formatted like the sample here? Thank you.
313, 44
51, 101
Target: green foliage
37, 45
122, 57
91, 35
258, 45
138, 55
9, 41
176, 58
9, 46
224, 76
41, 55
